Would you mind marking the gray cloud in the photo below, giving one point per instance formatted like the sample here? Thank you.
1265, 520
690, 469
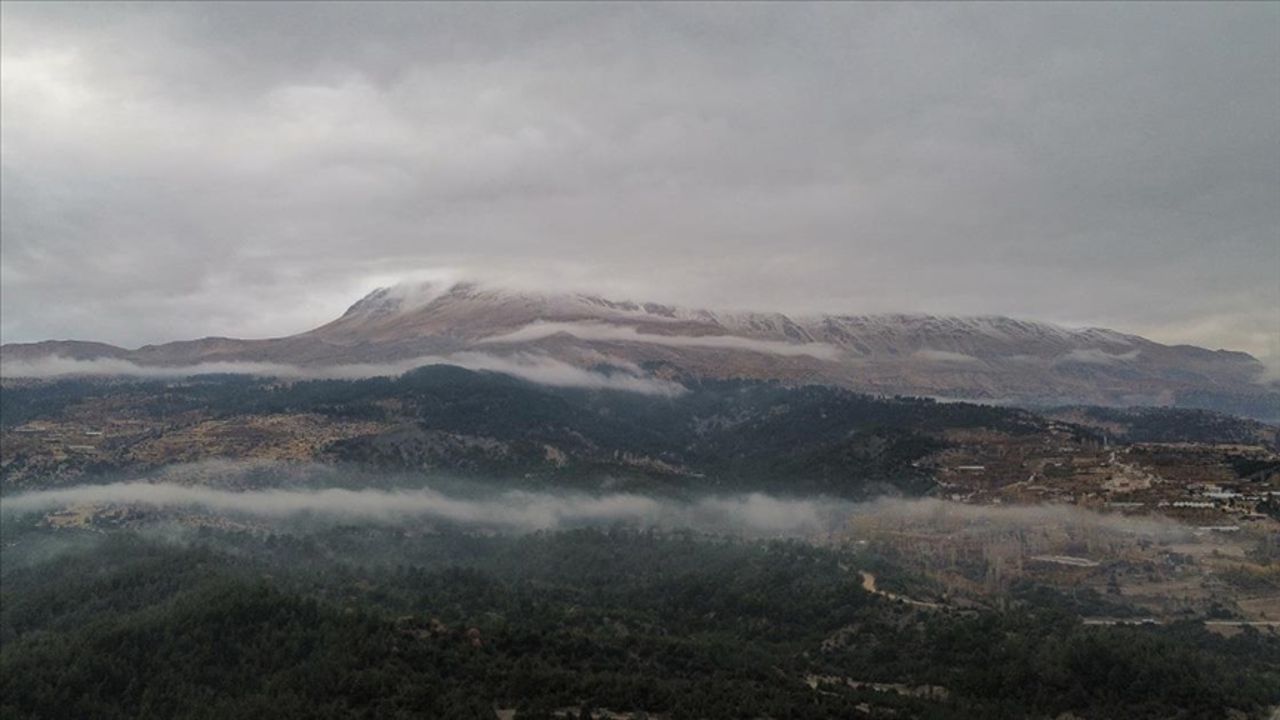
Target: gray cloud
186, 169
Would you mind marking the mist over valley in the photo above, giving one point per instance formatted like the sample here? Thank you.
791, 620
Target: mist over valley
639, 361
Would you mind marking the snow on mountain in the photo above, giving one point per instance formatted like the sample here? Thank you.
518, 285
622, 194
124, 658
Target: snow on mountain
991, 358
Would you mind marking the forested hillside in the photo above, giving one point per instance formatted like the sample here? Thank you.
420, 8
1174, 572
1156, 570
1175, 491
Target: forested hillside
366, 622
717, 435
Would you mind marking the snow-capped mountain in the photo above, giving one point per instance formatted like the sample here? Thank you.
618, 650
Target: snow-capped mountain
989, 358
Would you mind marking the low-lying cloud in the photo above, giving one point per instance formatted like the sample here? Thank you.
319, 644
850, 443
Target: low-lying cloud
526, 366
612, 333
512, 510
948, 516
523, 511
1095, 356
946, 357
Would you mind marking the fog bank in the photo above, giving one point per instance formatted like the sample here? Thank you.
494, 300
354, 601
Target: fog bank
526, 366
540, 330
522, 511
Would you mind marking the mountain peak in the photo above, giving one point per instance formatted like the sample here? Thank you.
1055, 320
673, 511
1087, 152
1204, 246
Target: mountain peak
401, 297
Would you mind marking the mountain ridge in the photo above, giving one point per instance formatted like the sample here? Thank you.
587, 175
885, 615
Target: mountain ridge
987, 358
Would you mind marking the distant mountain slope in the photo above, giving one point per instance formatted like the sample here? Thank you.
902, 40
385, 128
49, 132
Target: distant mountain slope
1169, 425
992, 359
444, 421
718, 436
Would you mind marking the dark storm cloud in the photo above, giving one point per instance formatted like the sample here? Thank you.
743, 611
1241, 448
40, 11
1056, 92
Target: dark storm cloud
180, 170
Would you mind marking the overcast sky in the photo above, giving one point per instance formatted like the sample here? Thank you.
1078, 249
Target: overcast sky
180, 170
